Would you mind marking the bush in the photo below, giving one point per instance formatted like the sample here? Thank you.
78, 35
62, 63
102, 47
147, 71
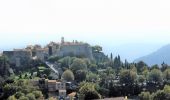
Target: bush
145, 96
18, 95
68, 75
89, 92
12, 98
31, 96
159, 95
23, 98
37, 94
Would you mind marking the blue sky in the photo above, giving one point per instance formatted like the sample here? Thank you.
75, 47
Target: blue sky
114, 24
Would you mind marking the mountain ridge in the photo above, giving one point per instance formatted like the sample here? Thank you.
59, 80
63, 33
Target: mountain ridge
157, 57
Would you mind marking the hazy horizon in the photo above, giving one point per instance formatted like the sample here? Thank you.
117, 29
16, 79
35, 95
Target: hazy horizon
118, 26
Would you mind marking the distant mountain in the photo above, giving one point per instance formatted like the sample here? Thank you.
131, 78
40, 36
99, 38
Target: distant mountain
157, 57
131, 51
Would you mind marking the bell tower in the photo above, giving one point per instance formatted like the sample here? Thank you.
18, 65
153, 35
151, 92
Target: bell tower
62, 40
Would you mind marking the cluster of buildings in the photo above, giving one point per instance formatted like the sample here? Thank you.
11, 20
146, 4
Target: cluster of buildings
20, 57
56, 89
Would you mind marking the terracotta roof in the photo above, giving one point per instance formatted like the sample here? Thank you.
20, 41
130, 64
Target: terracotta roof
51, 81
73, 94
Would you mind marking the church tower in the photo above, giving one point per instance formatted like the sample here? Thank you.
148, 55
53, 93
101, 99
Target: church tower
62, 40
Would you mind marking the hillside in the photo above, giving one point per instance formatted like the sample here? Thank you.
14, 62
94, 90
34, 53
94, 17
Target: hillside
157, 57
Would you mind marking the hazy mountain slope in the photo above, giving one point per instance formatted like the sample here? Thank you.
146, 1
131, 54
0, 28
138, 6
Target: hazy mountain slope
131, 51
161, 55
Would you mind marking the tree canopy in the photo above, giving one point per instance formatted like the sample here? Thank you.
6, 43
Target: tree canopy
68, 75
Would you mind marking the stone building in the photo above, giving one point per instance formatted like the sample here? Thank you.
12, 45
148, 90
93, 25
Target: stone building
38, 52
74, 48
56, 88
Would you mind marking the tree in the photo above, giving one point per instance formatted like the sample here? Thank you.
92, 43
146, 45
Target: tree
31, 96
97, 48
109, 71
140, 66
66, 61
133, 68
93, 67
155, 76
38, 94
18, 95
91, 77
128, 77
166, 74
23, 98
145, 96
80, 75
159, 95
78, 64
164, 67
111, 56
89, 91
11, 98
68, 75
166, 89
155, 67
141, 79
117, 64
1, 81
47, 71
4, 66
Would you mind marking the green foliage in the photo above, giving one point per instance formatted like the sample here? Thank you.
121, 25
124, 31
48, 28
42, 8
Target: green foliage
66, 61
18, 95
19, 88
145, 96
141, 79
53, 59
80, 75
1, 80
37, 94
96, 48
68, 75
166, 89
154, 67
93, 67
140, 66
12, 98
91, 77
166, 74
31, 96
133, 68
109, 71
89, 91
155, 76
159, 95
23, 98
78, 64
162, 94
117, 64
4, 58
4, 66
128, 77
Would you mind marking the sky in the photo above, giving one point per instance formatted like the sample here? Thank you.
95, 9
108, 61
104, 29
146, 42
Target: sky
117, 25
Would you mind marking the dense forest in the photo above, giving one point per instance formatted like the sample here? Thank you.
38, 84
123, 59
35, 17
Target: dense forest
94, 79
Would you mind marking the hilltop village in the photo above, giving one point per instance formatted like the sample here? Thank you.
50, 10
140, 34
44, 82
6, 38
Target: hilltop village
78, 71
20, 59
21, 56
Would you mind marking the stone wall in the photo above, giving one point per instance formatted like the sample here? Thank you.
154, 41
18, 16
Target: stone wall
19, 57
41, 54
79, 50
